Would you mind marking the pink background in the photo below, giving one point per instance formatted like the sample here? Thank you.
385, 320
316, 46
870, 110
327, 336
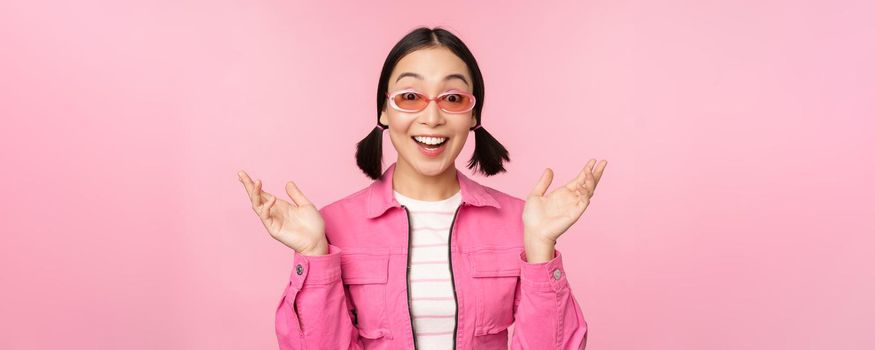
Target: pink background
735, 212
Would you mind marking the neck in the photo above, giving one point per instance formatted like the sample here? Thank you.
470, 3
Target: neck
411, 183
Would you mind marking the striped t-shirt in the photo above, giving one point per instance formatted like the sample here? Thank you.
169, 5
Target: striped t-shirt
431, 292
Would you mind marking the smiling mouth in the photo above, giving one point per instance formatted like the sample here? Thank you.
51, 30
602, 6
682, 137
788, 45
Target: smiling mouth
430, 145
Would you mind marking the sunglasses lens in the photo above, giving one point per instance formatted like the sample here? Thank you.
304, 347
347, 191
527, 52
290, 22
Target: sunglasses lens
410, 101
456, 103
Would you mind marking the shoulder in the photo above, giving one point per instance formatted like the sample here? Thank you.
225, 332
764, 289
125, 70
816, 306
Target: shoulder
354, 201
503, 197
345, 217
509, 204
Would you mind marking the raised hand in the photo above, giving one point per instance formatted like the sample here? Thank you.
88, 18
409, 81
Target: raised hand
545, 218
297, 224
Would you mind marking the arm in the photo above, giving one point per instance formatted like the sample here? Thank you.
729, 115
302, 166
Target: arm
314, 312
547, 314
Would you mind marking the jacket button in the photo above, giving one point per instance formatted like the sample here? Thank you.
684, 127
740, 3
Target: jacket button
299, 269
557, 274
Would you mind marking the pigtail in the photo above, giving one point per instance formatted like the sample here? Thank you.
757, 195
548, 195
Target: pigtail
369, 153
489, 154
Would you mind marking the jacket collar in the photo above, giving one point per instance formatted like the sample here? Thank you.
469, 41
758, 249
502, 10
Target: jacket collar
381, 196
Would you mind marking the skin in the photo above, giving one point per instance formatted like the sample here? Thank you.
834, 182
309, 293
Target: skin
418, 176
298, 225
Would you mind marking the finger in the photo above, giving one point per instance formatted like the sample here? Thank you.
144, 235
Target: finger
589, 182
296, 195
581, 187
264, 212
256, 193
599, 170
577, 184
582, 175
543, 182
247, 182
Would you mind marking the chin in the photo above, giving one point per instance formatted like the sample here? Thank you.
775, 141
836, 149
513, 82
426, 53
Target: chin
430, 167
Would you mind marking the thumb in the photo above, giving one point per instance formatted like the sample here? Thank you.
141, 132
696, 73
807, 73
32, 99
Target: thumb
543, 182
295, 194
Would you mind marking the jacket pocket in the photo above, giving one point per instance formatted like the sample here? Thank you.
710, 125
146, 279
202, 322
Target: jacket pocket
288, 326
365, 277
496, 273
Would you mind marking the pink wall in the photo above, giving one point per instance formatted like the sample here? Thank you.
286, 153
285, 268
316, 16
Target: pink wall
735, 212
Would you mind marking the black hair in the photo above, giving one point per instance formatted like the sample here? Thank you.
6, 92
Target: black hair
489, 155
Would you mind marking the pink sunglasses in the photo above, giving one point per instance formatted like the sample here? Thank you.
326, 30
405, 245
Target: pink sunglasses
411, 101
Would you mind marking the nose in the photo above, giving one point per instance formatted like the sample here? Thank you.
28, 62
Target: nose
432, 114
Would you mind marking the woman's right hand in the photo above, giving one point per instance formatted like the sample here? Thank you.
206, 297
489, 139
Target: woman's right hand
297, 224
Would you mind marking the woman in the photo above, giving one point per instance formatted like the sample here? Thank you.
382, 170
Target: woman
425, 257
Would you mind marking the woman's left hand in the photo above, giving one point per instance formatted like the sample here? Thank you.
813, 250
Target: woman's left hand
545, 218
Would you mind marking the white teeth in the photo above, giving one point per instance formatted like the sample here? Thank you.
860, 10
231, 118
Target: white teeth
430, 140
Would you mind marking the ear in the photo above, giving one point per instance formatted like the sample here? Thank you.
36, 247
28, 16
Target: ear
384, 119
473, 121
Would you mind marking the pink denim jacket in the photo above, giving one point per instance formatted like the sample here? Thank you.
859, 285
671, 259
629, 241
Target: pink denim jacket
356, 296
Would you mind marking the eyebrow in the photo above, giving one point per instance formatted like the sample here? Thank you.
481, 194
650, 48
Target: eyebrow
417, 76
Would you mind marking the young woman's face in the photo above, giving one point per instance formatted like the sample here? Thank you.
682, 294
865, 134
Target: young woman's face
430, 71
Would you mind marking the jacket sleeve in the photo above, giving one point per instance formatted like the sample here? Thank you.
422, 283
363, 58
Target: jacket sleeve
314, 311
546, 314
